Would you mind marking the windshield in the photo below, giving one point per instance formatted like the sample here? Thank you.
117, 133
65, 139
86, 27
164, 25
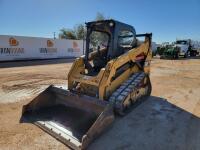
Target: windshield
125, 38
181, 42
98, 40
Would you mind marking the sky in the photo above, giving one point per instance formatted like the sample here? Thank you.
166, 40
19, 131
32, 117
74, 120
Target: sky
166, 19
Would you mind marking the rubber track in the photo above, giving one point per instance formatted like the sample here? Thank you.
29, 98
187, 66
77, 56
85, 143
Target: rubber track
119, 96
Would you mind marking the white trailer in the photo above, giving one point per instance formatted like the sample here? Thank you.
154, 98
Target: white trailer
28, 48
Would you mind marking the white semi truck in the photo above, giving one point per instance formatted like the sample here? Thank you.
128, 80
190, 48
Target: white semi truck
186, 48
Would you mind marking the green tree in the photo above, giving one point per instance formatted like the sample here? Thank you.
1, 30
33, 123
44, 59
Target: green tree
67, 34
100, 16
79, 30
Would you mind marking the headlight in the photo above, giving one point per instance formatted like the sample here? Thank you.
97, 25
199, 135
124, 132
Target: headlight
111, 24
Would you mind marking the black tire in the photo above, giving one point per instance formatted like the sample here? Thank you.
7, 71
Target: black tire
195, 53
149, 86
186, 55
176, 55
176, 52
189, 53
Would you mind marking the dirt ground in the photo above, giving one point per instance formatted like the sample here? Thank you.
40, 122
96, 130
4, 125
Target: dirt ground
169, 119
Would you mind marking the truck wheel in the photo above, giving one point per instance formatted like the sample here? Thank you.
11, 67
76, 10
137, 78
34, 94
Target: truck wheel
189, 53
195, 53
186, 55
176, 56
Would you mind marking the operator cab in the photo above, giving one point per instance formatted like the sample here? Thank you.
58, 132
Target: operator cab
106, 40
182, 42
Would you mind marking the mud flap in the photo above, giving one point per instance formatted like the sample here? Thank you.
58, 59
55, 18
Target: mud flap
76, 120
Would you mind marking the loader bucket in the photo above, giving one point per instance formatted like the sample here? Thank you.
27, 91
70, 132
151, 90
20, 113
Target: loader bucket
73, 119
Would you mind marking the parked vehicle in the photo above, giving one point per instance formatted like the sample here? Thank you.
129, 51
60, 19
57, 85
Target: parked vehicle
185, 48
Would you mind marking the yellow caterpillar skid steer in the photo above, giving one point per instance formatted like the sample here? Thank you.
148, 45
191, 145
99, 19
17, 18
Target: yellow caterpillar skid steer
111, 76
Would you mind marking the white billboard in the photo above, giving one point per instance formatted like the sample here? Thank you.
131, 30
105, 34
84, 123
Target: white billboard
22, 48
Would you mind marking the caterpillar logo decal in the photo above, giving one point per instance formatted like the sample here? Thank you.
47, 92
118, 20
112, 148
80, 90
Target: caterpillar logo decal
13, 42
49, 50
75, 47
49, 43
12, 51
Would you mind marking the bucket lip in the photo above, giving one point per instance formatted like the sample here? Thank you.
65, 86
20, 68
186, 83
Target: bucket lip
67, 140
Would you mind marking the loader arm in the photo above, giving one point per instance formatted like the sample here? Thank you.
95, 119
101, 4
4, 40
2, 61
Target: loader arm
119, 69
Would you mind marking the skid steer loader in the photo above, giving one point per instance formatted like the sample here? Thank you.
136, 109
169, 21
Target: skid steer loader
111, 76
